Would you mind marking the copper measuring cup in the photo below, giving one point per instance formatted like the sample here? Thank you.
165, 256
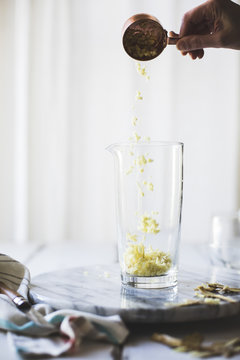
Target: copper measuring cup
144, 38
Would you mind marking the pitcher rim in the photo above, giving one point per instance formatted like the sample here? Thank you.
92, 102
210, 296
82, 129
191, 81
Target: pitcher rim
146, 143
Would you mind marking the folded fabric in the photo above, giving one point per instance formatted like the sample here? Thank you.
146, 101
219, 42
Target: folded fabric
69, 328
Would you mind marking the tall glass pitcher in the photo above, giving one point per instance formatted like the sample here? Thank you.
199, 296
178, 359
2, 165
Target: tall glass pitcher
149, 188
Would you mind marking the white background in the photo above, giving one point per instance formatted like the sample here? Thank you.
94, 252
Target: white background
66, 93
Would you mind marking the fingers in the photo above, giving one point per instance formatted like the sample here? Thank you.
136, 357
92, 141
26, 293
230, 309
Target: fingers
199, 53
196, 42
172, 38
173, 34
194, 54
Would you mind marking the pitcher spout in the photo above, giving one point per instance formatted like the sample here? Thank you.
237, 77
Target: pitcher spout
110, 148
115, 148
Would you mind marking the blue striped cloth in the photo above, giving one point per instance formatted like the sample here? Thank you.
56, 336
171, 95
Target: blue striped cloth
70, 327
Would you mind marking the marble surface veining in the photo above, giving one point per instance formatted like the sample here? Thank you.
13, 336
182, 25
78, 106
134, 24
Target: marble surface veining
97, 289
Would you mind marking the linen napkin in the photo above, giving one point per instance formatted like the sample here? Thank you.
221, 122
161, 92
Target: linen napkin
69, 327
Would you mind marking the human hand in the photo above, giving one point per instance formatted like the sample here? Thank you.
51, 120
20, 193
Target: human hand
215, 23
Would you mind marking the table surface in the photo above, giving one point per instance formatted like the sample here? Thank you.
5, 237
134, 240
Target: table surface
40, 259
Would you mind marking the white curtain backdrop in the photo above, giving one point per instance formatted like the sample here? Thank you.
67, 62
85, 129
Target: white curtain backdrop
66, 93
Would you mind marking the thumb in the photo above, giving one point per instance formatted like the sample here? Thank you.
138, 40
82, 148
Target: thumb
196, 42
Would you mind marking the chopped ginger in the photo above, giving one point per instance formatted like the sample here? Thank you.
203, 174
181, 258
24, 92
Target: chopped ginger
147, 138
134, 121
148, 225
137, 137
131, 237
211, 301
106, 274
129, 171
141, 160
139, 96
142, 261
140, 189
150, 186
142, 71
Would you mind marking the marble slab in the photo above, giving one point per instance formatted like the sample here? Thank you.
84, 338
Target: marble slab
98, 290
